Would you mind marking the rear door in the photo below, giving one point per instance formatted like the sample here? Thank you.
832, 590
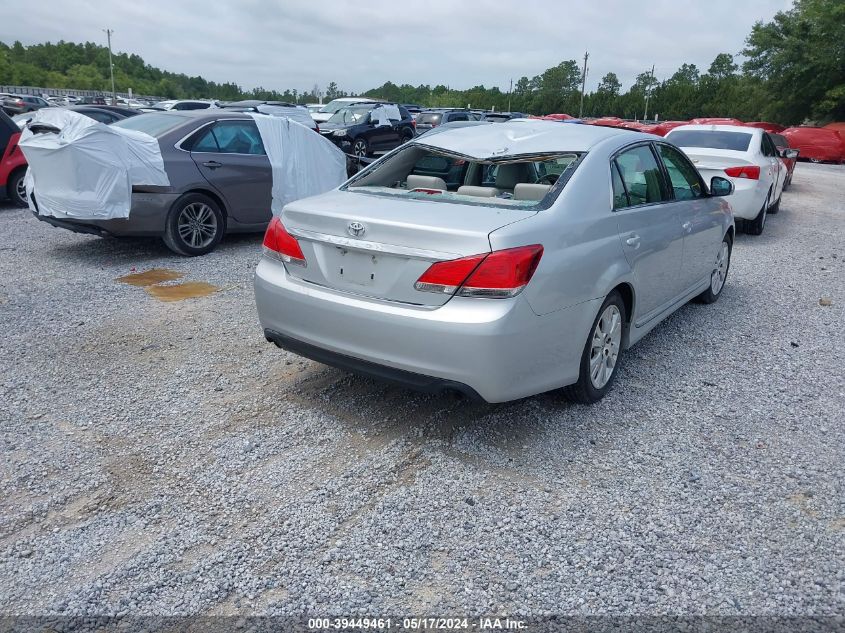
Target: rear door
776, 166
649, 229
700, 215
231, 157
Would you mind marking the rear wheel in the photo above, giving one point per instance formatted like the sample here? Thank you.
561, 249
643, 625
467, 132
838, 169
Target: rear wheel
719, 274
601, 353
195, 225
755, 226
407, 135
17, 189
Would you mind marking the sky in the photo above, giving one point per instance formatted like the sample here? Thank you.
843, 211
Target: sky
281, 44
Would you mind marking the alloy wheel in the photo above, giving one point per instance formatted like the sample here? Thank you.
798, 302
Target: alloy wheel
197, 225
604, 349
717, 278
359, 149
20, 189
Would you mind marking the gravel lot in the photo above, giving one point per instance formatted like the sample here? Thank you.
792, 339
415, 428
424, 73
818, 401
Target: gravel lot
162, 458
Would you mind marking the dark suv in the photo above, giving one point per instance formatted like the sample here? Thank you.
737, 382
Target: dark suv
365, 128
432, 118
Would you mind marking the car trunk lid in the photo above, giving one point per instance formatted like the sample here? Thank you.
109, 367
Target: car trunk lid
379, 245
715, 161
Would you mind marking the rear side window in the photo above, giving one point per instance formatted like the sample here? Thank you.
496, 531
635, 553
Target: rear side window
230, 137
768, 147
682, 176
459, 116
734, 141
641, 176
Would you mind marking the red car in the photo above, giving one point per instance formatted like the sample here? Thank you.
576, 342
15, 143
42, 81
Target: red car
771, 128
781, 143
663, 128
12, 162
716, 121
818, 144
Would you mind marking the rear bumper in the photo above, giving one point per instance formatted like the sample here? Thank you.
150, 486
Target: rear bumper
417, 382
497, 350
146, 218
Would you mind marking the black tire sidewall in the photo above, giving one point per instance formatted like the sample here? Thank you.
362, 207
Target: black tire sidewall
172, 237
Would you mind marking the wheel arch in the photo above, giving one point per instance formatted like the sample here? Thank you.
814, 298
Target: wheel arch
626, 291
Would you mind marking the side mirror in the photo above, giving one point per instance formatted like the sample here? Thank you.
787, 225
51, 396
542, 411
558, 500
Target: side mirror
721, 186
787, 152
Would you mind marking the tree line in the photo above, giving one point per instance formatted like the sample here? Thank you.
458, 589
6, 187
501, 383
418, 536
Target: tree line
793, 70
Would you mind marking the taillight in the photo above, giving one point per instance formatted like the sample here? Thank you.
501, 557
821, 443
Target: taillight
281, 244
496, 275
752, 172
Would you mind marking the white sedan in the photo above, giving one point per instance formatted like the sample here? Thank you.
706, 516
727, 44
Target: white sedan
745, 155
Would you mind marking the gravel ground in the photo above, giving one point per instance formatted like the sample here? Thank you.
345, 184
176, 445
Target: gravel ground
162, 458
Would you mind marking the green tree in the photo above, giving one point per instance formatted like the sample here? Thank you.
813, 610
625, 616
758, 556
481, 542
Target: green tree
800, 57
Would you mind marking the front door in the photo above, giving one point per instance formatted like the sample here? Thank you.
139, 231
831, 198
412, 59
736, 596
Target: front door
231, 157
649, 229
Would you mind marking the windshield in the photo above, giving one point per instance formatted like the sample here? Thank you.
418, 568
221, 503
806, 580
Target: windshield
153, 123
712, 139
351, 115
419, 172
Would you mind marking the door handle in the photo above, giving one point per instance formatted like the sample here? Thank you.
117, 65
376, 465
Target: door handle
634, 241
687, 226
212, 164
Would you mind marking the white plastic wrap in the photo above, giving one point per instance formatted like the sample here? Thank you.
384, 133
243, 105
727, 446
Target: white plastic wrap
384, 115
303, 162
87, 170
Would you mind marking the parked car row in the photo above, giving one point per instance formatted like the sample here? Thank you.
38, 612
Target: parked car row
455, 262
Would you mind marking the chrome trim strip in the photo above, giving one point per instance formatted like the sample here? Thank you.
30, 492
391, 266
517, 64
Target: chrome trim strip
363, 245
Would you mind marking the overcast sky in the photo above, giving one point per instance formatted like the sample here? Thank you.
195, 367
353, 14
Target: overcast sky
282, 44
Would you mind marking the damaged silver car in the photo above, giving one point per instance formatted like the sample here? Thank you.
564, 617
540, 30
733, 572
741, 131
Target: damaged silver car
497, 261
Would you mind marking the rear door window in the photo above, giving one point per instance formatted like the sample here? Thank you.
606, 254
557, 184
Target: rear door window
230, 137
641, 175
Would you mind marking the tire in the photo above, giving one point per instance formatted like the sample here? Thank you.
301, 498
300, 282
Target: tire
16, 189
407, 135
588, 390
755, 226
776, 206
719, 275
194, 225
360, 147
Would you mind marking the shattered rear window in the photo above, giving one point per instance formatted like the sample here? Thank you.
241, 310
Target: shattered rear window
418, 172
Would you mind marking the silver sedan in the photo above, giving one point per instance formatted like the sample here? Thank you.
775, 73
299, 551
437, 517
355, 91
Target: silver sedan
497, 261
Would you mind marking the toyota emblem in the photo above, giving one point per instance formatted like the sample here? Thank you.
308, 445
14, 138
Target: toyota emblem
356, 229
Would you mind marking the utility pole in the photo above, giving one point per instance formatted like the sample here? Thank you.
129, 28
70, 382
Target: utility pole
648, 94
510, 90
111, 68
583, 84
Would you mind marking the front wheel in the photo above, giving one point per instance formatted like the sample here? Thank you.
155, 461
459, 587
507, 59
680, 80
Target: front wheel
719, 274
195, 225
600, 357
360, 148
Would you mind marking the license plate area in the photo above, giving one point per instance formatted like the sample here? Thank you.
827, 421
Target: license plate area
354, 267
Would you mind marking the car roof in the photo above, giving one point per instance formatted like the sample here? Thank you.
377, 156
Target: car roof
525, 136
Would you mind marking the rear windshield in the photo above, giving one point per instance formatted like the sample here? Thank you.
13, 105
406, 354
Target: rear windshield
713, 139
429, 117
419, 172
153, 123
